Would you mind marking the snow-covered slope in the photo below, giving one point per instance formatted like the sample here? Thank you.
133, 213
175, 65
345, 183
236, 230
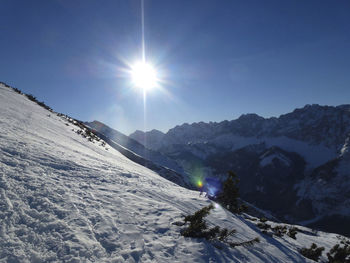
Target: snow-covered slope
163, 171
70, 198
134, 146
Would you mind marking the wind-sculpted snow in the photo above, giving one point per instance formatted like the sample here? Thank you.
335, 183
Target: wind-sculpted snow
64, 198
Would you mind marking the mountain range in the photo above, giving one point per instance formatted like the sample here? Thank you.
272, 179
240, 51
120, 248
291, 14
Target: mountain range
296, 165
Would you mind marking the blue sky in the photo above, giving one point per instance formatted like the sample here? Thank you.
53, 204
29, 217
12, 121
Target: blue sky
218, 59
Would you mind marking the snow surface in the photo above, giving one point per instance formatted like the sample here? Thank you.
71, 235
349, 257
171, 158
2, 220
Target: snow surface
314, 155
66, 199
267, 159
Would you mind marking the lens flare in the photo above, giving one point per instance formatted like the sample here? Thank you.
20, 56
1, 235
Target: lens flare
199, 183
213, 185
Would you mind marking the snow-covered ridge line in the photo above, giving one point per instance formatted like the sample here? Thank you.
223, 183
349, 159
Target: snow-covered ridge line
134, 146
92, 135
165, 172
314, 125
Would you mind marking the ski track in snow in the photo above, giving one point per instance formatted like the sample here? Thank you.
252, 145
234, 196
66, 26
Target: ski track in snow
64, 199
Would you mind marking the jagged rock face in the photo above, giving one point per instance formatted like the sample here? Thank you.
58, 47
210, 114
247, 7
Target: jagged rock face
150, 139
297, 165
312, 124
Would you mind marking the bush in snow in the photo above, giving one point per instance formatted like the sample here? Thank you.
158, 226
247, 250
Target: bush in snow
339, 254
292, 232
197, 227
17, 90
279, 230
31, 97
313, 252
263, 226
40, 103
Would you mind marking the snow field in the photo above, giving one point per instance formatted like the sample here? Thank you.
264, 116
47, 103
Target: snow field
65, 199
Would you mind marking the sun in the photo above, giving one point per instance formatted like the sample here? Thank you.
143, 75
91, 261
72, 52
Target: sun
144, 76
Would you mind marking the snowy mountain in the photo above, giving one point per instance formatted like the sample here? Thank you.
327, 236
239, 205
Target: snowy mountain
303, 131
150, 140
138, 153
134, 145
68, 196
294, 166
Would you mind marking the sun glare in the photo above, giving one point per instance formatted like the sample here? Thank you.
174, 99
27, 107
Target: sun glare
144, 76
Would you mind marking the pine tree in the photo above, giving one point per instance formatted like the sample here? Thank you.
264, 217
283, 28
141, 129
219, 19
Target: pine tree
197, 225
230, 193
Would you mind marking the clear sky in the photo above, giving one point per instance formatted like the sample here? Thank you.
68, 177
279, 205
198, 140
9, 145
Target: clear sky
217, 59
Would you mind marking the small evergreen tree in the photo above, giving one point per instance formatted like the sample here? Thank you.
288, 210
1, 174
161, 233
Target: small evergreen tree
198, 228
313, 252
279, 230
31, 97
230, 193
292, 232
339, 254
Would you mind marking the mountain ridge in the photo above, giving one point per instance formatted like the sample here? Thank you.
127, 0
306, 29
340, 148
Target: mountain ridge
317, 135
272, 123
